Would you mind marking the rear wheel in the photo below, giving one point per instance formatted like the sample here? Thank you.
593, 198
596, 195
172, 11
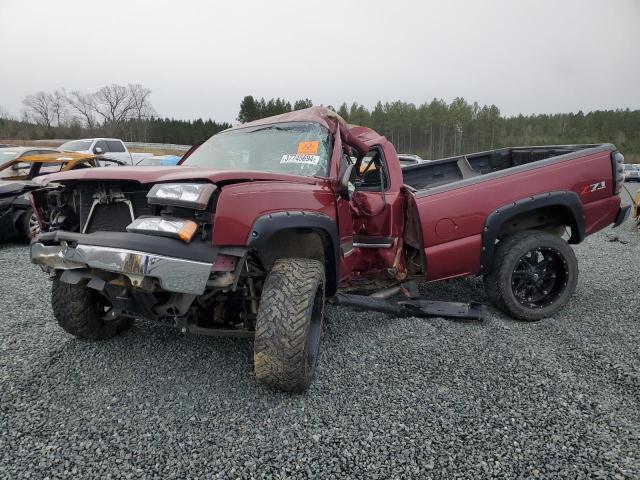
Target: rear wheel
289, 326
534, 274
83, 312
28, 225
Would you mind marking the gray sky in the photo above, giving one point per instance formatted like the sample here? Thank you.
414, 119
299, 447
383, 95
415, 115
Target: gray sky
200, 58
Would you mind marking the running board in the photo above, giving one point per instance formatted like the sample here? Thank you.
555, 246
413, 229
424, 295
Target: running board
413, 308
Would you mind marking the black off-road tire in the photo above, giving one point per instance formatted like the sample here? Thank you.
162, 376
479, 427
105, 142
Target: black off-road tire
79, 311
289, 324
25, 226
509, 251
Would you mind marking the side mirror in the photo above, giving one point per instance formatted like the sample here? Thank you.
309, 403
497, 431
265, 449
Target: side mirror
343, 180
15, 167
98, 150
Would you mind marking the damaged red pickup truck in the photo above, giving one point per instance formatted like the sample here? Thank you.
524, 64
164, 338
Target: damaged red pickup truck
263, 222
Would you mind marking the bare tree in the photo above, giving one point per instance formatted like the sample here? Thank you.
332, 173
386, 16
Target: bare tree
141, 106
39, 107
82, 106
59, 106
142, 111
114, 103
4, 113
112, 109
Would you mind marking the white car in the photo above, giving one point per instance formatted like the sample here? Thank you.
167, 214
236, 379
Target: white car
632, 173
112, 148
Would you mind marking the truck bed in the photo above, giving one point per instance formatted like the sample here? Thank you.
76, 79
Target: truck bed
452, 200
471, 167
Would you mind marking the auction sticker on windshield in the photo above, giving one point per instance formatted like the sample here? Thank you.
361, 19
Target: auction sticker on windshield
308, 148
301, 159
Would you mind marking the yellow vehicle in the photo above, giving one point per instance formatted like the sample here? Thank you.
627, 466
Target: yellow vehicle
30, 166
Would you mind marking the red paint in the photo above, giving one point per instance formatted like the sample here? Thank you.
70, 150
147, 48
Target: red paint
457, 258
445, 228
224, 263
469, 206
241, 204
170, 174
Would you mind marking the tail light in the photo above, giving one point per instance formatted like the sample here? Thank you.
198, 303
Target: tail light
617, 163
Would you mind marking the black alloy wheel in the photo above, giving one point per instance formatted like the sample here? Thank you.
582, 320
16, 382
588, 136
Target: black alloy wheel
540, 277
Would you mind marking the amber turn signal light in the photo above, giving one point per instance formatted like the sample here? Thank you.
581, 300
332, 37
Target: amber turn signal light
164, 227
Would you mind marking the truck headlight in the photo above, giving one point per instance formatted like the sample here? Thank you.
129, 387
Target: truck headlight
164, 227
193, 195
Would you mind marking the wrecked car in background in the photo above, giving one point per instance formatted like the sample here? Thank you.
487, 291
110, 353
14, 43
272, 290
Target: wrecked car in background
263, 222
17, 179
106, 148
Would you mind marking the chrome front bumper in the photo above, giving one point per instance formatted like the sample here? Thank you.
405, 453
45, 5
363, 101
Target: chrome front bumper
173, 274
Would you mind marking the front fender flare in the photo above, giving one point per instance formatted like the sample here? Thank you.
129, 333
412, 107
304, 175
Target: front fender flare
269, 224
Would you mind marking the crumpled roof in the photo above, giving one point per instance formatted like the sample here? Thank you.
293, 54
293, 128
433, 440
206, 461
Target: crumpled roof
321, 115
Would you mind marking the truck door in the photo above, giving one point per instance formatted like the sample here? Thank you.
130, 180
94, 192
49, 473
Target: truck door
368, 221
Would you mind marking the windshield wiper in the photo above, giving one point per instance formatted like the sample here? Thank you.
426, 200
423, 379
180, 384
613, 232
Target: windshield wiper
271, 127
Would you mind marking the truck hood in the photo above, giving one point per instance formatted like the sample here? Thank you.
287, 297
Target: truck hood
170, 174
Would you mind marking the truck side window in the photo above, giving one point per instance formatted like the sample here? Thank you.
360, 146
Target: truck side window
372, 171
115, 146
101, 144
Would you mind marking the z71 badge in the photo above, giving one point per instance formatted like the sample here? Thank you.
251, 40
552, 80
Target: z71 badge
594, 187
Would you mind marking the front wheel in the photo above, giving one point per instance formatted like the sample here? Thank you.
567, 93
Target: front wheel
82, 312
534, 274
289, 324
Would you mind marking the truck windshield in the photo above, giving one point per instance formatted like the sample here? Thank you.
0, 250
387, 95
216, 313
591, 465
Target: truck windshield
75, 146
295, 148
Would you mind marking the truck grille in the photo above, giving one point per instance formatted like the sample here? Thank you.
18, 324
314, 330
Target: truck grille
110, 218
114, 214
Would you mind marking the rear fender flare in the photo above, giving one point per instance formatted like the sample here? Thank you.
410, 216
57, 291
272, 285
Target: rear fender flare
568, 200
268, 225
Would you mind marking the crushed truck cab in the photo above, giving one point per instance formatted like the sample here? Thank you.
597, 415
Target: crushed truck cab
262, 223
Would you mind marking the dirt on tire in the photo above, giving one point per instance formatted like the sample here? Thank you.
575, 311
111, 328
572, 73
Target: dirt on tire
79, 311
289, 324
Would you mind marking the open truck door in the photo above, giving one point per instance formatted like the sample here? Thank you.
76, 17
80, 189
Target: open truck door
369, 210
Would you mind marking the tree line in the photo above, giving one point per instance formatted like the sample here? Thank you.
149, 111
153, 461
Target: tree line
432, 129
252, 109
123, 111
439, 129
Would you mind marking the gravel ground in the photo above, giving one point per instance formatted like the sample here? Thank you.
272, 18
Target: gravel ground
393, 398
